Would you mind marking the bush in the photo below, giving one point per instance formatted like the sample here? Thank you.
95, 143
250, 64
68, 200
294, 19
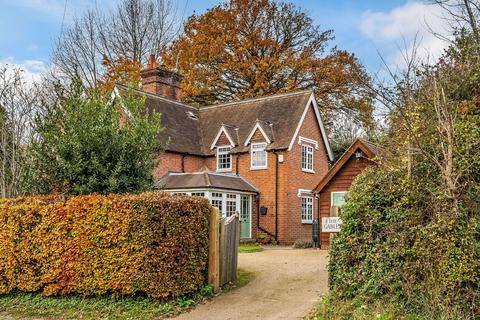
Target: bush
151, 244
396, 253
303, 244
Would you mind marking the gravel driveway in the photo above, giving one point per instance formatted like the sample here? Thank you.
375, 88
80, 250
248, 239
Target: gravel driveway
287, 284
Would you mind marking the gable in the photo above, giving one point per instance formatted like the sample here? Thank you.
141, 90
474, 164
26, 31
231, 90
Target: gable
222, 140
311, 124
258, 136
368, 150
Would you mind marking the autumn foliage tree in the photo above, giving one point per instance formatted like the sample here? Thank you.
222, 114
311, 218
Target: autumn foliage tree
121, 70
247, 48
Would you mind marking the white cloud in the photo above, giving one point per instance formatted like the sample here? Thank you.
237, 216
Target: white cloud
396, 30
32, 69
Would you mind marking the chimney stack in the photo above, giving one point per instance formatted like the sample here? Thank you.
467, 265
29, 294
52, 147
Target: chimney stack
161, 81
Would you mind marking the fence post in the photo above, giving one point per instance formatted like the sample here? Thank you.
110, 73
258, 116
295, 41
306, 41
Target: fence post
214, 250
236, 243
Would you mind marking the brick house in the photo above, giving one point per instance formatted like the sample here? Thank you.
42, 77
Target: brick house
260, 157
333, 187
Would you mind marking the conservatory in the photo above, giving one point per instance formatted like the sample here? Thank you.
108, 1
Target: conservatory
228, 192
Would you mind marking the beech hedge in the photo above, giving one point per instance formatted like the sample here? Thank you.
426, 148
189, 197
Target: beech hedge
151, 244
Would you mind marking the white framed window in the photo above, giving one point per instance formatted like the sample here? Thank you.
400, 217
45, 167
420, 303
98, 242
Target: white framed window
258, 156
198, 194
307, 158
307, 209
224, 158
216, 200
231, 205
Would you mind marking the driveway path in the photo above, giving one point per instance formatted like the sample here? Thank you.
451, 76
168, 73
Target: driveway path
286, 285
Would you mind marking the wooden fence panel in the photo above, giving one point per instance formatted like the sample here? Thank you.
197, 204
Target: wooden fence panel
229, 239
223, 249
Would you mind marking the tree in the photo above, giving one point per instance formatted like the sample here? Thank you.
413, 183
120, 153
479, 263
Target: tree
344, 131
410, 236
17, 108
247, 48
88, 145
134, 30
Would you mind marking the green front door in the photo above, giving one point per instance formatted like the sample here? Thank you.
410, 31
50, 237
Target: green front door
246, 216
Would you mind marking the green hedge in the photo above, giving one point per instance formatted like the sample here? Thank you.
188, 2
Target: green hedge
151, 244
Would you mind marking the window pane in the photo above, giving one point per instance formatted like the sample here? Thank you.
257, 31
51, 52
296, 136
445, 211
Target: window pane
307, 209
217, 201
198, 194
338, 199
231, 205
259, 155
245, 212
307, 157
224, 158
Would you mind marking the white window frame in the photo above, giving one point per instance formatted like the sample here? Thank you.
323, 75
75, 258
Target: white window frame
304, 215
252, 165
222, 153
223, 198
311, 150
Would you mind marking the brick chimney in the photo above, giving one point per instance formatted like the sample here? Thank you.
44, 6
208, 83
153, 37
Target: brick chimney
161, 81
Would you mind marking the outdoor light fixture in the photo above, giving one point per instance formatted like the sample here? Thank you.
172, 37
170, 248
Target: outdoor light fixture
358, 154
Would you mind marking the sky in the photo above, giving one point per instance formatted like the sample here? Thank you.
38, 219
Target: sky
369, 28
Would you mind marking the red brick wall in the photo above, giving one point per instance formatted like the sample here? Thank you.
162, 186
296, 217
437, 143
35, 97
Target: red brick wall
340, 182
166, 162
293, 178
170, 161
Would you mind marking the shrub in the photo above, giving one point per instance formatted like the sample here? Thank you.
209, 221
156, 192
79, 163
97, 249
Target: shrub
303, 244
151, 244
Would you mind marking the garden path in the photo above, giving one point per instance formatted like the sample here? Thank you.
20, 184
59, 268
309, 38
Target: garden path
287, 284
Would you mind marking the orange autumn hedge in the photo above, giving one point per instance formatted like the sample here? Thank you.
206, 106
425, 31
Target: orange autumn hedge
151, 244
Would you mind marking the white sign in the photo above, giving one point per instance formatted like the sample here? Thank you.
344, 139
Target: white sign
331, 224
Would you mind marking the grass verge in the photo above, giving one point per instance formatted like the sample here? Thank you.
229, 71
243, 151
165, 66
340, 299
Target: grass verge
355, 309
249, 247
30, 305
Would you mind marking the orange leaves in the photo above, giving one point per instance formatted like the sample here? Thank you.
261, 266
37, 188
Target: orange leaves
149, 243
121, 70
247, 48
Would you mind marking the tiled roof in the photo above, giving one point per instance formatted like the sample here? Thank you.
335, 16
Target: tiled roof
204, 180
192, 130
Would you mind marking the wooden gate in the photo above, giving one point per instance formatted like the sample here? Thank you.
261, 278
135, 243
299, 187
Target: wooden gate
223, 249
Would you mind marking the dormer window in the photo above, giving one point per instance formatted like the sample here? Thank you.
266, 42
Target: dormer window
258, 155
224, 158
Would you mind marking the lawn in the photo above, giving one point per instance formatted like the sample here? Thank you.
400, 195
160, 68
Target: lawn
249, 247
31, 305
24, 305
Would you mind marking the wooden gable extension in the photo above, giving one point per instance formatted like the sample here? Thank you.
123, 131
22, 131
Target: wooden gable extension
369, 150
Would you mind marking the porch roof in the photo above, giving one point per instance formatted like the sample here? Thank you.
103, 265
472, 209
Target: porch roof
204, 180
